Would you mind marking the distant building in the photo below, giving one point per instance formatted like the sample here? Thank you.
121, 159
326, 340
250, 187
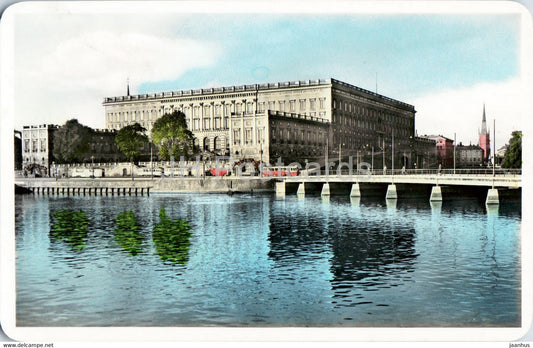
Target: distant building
18, 150
444, 150
484, 138
37, 147
468, 156
296, 121
500, 155
103, 148
424, 153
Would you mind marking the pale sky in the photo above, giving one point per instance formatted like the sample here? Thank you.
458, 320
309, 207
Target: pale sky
446, 65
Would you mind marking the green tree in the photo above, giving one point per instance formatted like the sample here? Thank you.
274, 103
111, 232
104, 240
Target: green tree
71, 142
130, 140
172, 137
513, 156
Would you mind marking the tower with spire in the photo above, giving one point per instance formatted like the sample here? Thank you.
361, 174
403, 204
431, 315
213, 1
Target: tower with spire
484, 138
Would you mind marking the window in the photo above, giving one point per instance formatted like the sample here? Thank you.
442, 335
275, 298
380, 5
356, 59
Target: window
292, 105
249, 108
322, 103
260, 138
282, 106
302, 104
239, 108
227, 109
217, 110
248, 136
262, 107
312, 104
236, 137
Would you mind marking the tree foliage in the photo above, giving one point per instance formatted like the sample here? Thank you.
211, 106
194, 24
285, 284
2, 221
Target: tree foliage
513, 156
71, 142
172, 137
130, 140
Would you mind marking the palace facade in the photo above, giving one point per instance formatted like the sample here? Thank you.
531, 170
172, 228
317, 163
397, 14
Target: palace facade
297, 121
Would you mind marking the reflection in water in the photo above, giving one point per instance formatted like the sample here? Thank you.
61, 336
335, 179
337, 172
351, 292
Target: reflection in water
355, 201
436, 207
493, 209
258, 261
70, 226
369, 257
172, 239
127, 233
364, 253
392, 203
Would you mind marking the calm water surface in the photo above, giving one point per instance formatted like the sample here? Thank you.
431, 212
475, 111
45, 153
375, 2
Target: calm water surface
262, 261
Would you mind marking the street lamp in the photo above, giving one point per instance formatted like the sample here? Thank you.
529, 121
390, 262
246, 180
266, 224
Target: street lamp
92, 160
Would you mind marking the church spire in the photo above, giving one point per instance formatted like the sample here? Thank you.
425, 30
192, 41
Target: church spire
484, 122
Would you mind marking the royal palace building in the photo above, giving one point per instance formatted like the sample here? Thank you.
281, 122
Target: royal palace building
297, 121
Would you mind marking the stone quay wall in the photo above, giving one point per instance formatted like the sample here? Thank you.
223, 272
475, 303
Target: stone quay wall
205, 185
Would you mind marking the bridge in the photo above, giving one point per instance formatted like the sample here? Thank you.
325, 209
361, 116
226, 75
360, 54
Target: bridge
492, 179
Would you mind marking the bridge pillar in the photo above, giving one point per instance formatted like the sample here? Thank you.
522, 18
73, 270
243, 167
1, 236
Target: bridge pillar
492, 197
355, 192
325, 190
436, 194
280, 188
391, 192
301, 189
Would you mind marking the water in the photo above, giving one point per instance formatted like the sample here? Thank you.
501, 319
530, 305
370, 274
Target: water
260, 261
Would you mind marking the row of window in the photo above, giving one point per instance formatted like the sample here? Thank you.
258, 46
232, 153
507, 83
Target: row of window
36, 145
301, 136
247, 136
221, 109
363, 111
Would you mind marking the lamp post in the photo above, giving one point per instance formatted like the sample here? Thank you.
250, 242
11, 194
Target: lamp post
392, 153
92, 161
151, 162
372, 164
326, 155
384, 156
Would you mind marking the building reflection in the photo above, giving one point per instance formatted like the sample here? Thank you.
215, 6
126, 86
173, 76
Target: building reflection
362, 252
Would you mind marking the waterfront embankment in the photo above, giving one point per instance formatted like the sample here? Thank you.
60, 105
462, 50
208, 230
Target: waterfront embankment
180, 184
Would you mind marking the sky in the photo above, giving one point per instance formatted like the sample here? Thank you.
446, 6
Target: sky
448, 65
